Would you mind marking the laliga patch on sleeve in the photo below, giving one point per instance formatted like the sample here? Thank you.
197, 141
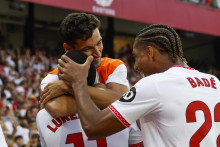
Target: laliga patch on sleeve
129, 96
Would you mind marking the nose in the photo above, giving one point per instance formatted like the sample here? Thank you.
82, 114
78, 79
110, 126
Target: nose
97, 52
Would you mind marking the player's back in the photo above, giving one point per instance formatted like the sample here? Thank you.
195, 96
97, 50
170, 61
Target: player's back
67, 132
188, 110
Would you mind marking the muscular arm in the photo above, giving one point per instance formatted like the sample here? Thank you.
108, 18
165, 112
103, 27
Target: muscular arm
90, 115
61, 106
102, 97
103, 120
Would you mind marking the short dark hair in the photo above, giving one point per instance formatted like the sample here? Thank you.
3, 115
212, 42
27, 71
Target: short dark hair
35, 136
80, 58
164, 38
18, 137
77, 26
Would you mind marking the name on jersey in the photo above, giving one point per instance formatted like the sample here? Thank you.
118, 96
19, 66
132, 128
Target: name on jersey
58, 122
202, 82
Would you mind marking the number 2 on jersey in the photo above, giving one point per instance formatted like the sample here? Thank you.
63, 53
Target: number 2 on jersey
206, 126
77, 140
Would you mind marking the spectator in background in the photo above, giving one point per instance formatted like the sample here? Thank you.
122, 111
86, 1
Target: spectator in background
125, 54
34, 110
14, 93
19, 141
34, 139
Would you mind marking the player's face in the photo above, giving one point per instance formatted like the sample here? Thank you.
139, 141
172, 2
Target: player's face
143, 62
91, 47
139, 60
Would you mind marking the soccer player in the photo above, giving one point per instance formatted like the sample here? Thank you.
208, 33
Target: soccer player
177, 105
79, 31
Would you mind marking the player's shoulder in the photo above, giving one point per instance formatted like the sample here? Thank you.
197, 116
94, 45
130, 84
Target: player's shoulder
171, 74
152, 82
111, 62
51, 76
108, 66
41, 114
188, 71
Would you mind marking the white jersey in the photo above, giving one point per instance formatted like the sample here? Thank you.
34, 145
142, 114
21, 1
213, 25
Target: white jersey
67, 131
177, 108
2, 139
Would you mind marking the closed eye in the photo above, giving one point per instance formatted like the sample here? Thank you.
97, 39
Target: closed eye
100, 42
87, 48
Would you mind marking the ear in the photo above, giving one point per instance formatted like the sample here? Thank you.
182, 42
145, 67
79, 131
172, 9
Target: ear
67, 47
150, 52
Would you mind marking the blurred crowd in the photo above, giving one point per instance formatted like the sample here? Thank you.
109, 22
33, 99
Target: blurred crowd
125, 54
20, 75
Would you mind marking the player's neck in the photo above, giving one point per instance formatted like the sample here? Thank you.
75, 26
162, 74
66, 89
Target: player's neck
170, 64
180, 63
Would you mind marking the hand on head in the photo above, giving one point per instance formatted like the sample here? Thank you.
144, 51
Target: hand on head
73, 73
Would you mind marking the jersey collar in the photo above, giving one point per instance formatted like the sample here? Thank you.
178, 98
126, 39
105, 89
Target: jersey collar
183, 67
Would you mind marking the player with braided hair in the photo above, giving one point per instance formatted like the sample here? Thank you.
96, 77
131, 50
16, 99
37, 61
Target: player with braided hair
165, 37
176, 105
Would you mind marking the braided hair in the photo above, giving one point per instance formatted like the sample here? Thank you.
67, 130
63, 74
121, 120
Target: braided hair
162, 37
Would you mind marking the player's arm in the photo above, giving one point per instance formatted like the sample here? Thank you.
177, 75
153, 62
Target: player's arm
93, 120
90, 115
61, 106
102, 97
59, 88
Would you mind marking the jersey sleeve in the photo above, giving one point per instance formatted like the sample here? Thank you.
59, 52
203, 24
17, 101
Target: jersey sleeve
135, 137
2, 138
119, 76
42, 141
141, 100
49, 78
38, 123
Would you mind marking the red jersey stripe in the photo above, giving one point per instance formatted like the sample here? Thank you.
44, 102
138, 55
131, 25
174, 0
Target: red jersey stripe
119, 116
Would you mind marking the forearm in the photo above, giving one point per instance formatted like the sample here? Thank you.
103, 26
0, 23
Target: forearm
84, 103
90, 115
103, 97
61, 106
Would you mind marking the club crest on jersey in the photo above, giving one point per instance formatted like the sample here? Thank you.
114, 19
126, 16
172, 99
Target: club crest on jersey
129, 96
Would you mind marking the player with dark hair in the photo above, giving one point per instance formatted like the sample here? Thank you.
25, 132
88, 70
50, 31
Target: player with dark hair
80, 32
177, 105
